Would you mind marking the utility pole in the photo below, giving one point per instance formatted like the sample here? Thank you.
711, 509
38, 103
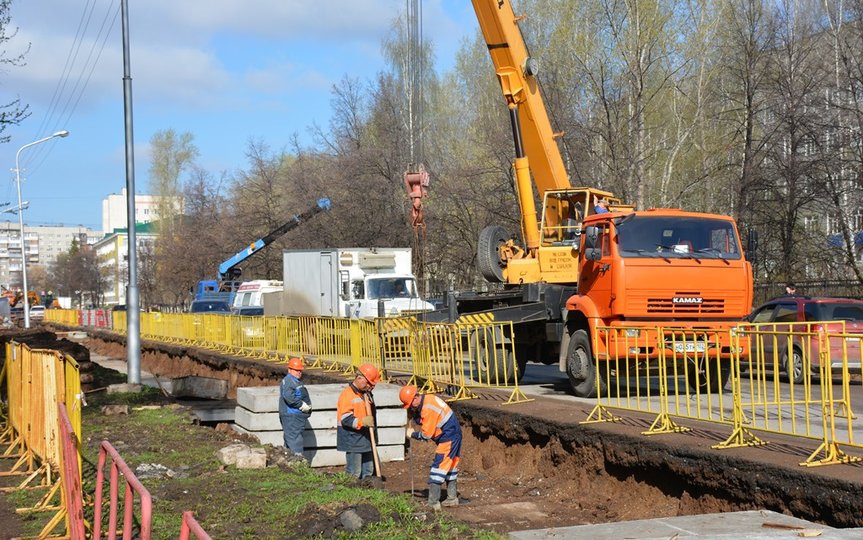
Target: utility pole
133, 313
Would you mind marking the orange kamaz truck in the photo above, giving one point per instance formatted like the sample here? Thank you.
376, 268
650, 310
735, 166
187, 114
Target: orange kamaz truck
573, 271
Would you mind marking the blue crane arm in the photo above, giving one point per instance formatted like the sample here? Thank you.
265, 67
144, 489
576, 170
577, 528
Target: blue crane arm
228, 265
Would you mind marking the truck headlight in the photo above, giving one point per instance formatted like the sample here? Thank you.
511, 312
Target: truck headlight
632, 332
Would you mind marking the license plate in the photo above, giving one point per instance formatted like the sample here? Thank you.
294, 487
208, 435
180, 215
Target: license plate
690, 347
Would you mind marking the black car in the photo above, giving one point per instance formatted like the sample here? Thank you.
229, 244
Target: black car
209, 306
249, 311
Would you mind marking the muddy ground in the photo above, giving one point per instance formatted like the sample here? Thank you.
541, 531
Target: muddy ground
533, 465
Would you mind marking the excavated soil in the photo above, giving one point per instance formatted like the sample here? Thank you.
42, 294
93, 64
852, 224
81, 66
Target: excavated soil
533, 465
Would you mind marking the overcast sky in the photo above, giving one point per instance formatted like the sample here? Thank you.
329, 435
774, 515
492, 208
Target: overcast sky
226, 71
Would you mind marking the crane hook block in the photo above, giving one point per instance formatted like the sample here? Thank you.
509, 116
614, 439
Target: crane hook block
416, 185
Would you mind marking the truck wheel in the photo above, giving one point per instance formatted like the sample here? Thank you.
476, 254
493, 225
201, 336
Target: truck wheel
720, 372
492, 362
523, 354
580, 367
487, 254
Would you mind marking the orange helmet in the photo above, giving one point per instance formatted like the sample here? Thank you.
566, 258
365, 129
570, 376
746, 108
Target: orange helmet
296, 363
370, 372
407, 394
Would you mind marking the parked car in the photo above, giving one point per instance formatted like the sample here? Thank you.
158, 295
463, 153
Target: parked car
797, 321
250, 311
210, 306
37, 313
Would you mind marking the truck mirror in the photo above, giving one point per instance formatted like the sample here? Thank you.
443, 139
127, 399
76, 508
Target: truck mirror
752, 246
591, 237
593, 254
346, 290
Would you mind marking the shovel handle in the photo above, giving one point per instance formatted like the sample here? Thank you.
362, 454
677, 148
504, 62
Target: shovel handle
373, 438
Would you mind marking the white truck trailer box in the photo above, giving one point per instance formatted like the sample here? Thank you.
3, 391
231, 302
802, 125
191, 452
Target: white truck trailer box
349, 282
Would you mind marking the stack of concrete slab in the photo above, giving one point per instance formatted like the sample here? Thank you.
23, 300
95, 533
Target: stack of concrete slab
257, 414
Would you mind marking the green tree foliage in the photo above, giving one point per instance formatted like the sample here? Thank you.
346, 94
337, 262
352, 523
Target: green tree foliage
13, 111
78, 274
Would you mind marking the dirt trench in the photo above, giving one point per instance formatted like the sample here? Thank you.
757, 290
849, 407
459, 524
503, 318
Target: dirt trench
533, 465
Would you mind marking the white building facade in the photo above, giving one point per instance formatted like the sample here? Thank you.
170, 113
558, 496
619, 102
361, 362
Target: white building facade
146, 210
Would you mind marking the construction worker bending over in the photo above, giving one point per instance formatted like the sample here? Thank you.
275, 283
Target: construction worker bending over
295, 406
436, 422
356, 417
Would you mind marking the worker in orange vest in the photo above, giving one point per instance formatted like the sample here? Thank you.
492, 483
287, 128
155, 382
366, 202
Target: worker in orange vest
436, 422
356, 418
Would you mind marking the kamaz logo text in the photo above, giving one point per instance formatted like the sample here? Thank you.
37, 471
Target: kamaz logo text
687, 300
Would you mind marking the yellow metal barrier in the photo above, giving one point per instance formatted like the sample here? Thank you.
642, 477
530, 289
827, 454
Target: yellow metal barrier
797, 380
36, 381
67, 317
474, 353
772, 378
669, 372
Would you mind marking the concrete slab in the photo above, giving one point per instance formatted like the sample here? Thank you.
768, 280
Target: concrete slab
326, 438
199, 387
266, 398
753, 524
259, 398
210, 410
320, 419
325, 457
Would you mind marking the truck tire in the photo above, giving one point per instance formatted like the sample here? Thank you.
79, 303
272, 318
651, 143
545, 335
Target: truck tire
487, 255
493, 363
720, 372
580, 367
523, 354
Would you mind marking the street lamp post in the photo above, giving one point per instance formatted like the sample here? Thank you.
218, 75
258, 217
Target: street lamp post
63, 133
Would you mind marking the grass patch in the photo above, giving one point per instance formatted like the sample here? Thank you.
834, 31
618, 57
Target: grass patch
270, 503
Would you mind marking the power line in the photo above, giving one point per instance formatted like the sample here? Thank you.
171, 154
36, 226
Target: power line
88, 67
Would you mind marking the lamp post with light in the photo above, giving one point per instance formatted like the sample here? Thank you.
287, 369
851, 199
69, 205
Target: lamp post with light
63, 133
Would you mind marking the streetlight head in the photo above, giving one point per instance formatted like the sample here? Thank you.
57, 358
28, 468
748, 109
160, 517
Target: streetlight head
63, 133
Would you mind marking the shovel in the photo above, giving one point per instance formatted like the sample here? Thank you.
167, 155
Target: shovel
374, 441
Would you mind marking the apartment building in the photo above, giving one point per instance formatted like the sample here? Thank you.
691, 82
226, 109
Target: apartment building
146, 210
42, 245
112, 251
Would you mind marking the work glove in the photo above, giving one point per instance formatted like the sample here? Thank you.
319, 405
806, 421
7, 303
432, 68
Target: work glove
305, 408
369, 421
409, 432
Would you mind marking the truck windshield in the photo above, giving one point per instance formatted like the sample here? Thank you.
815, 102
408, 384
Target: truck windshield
676, 237
392, 287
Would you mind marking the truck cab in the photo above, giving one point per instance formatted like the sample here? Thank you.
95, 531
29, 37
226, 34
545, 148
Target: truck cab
397, 292
659, 268
250, 294
350, 282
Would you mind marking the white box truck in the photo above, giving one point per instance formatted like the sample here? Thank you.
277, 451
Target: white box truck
349, 282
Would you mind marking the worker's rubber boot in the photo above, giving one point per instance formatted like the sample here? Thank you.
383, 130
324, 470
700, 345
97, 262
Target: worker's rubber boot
451, 494
434, 497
